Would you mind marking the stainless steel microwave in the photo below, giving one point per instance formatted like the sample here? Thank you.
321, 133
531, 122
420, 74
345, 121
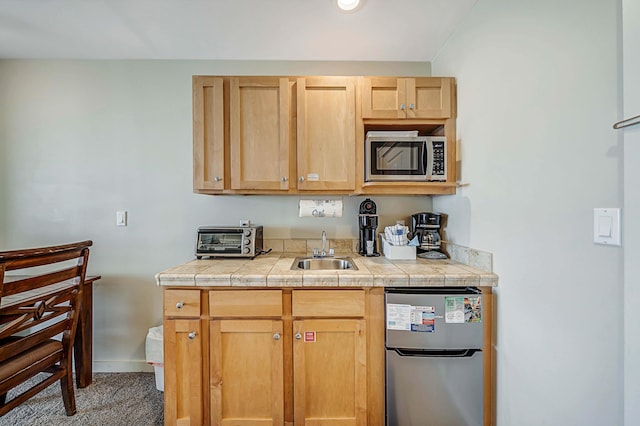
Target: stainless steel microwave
405, 158
229, 241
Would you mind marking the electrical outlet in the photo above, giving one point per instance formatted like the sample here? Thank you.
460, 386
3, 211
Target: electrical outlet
245, 222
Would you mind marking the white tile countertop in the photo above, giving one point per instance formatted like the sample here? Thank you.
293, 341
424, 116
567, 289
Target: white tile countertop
274, 270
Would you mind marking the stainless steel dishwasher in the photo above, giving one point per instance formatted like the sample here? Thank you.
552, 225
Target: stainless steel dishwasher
434, 373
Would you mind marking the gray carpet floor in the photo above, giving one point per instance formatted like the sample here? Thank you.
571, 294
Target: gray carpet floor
113, 399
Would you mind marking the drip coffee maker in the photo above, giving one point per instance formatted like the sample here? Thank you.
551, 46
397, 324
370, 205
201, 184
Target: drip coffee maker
426, 226
368, 223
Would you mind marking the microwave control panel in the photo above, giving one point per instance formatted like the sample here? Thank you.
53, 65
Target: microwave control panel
438, 163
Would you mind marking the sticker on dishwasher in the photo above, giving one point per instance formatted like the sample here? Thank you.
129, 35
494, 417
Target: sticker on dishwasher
454, 309
423, 319
462, 309
472, 309
398, 317
410, 318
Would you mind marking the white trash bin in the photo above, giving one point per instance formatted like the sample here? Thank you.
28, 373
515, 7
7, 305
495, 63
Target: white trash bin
155, 354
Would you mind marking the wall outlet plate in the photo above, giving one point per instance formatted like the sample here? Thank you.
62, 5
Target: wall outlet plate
245, 223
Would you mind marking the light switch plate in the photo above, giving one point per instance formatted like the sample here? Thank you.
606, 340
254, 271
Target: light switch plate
606, 226
121, 218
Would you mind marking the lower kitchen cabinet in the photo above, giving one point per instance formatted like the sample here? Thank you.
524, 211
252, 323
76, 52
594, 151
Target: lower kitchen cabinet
183, 379
329, 372
274, 357
246, 372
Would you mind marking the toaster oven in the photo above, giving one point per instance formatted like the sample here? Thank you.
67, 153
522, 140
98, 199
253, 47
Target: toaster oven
229, 241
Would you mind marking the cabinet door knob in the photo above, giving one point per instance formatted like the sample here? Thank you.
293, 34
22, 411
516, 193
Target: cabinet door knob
412, 106
301, 178
179, 305
217, 178
298, 336
283, 179
276, 336
403, 107
192, 335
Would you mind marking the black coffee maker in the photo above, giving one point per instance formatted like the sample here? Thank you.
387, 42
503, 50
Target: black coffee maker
426, 226
368, 223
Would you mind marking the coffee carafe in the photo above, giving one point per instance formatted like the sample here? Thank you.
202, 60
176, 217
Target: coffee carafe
426, 226
368, 223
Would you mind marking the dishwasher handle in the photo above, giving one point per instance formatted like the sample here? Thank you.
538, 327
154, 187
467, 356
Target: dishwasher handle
430, 353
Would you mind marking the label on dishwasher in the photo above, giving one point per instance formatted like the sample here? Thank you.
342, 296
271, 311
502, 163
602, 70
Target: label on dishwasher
423, 319
462, 309
410, 318
398, 317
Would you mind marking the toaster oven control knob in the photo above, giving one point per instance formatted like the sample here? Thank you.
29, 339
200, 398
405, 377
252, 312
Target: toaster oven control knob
247, 233
246, 242
246, 250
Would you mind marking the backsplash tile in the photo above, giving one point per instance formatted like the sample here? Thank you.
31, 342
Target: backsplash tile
341, 246
295, 246
276, 246
477, 258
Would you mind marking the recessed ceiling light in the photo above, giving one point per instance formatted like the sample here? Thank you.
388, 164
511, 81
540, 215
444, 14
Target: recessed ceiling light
348, 5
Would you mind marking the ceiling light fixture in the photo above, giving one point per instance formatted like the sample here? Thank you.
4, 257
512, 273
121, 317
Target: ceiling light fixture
348, 5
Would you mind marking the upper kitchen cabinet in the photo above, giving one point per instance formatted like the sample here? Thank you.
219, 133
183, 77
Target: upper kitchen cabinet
407, 98
261, 133
326, 133
208, 134
306, 134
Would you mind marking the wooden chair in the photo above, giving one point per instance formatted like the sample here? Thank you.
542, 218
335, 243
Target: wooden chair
40, 299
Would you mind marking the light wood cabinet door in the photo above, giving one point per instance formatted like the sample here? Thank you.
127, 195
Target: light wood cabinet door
402, 98
326, 128
428, 97
329, 371
383, 97
260, 132
208, 134
182, 372
247, 376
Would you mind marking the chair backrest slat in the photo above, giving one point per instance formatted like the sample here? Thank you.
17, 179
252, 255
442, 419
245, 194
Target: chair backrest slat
28, 283
29, 258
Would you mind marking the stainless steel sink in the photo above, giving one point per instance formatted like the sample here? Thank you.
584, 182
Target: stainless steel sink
324, 263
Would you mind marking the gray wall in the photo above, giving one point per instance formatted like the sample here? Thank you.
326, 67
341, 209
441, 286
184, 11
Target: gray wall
537, 95
87, 138
631, 235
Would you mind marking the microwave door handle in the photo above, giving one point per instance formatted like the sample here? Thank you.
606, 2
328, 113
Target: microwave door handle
428, 159
425, 159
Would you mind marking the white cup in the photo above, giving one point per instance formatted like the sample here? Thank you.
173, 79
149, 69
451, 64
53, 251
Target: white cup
369, 248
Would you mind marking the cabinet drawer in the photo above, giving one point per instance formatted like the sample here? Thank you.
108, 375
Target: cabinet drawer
182, 303
328, 303
245, 303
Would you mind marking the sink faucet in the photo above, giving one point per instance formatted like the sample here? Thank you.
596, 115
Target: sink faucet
324, 244
323, 251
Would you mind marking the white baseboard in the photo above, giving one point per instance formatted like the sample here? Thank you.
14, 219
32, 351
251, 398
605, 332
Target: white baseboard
122, 367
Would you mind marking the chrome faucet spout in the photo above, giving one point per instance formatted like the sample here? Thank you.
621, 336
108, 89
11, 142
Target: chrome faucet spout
324, 243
